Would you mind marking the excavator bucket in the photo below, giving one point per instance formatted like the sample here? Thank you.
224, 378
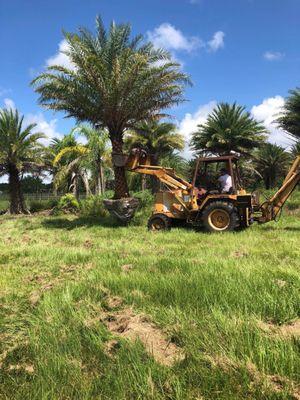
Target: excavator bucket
272, 208
136, 158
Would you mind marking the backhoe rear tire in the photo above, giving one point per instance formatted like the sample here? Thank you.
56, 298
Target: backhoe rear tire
220, 216
159, 222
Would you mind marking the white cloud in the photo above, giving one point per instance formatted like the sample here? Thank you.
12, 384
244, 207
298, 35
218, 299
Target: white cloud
273, 55
217, 42
267, 112
48, 128
189, 124
170, 38
60, 58
9, 103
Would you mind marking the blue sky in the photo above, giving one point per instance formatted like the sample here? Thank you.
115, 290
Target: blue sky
235, 50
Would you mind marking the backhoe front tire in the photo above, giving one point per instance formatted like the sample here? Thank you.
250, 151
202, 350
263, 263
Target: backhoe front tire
159, 222
220, 216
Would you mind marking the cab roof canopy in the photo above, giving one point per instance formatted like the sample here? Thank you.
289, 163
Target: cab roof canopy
232, 157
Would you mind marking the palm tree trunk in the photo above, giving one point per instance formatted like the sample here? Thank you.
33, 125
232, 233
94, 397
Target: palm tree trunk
74, 186
17, 203
121, 187
154, 180
102, 183
98, 189
86, 183
144, 182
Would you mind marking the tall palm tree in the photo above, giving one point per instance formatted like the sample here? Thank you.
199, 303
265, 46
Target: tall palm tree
295, 150
20, 152
98, 155
157, 139
289, 120
116, 82
228, 128
272, 161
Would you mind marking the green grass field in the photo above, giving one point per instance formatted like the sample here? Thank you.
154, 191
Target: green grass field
229, 302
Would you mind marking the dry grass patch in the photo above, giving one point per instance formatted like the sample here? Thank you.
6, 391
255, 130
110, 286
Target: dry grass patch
125, 323
286, 330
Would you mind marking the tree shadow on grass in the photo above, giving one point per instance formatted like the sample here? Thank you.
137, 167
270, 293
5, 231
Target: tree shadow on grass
70, 224
292, 228
286, 228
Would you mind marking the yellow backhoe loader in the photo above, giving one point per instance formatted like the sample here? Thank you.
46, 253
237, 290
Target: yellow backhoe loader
201, 203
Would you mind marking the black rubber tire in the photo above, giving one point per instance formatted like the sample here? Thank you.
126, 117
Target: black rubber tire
227, 209
159, 222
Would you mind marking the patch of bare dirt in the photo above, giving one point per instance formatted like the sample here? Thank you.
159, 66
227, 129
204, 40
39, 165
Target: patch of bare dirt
240, 254
114, 302
111, 346
88, 244
221, 361
127, 268
22, 367
276, 383
285, 330
280, 282
43, 213
26, 239
47, 281
134, 327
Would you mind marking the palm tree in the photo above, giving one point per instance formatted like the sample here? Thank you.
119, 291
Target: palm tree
228, 128
177, 162
157, 139
77, 160
55, 147
289, 120
271, 161
295, 150
98, 155
70, 167
20, 152
116, 82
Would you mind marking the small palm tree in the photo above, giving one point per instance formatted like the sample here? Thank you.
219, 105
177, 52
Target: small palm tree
272, 161
157, 139
78, 160
20, 152
289, 120
228, 128
69, 163
55, 147
117, 81
98, 155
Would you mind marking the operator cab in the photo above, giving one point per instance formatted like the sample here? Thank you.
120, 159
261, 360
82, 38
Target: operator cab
208, 175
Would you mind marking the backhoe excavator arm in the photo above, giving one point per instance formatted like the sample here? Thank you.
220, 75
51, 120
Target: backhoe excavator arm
140, 162
272, 207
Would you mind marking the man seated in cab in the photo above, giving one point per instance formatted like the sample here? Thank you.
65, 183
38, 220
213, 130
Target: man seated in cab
225, 181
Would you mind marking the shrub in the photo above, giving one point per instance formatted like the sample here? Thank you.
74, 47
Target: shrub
40, 205
67, 203
145, 207
145, 197
93, 206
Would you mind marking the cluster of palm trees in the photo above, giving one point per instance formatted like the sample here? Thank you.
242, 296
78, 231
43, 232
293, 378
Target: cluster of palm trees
230, 128
118, 89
